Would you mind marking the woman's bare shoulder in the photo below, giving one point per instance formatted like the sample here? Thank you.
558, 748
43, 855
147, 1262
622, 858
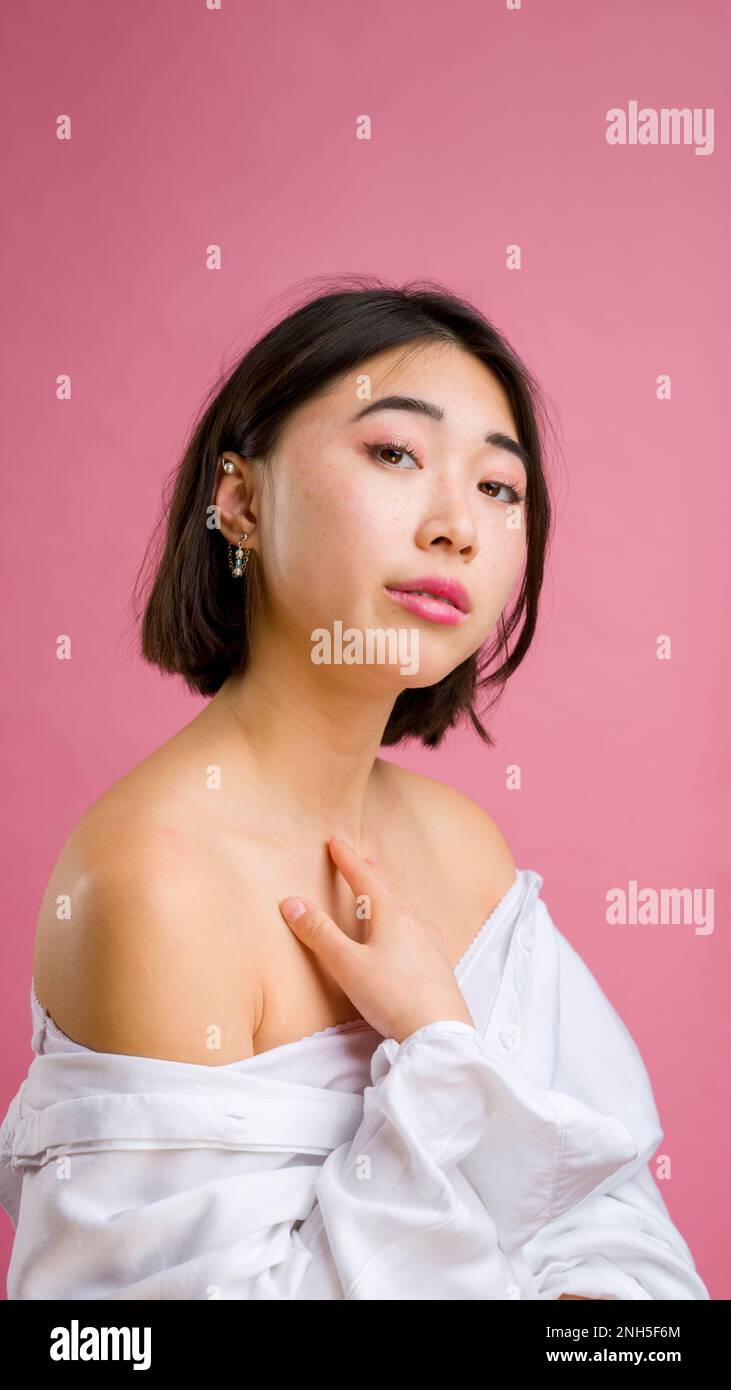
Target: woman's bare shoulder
459, 830
138, 947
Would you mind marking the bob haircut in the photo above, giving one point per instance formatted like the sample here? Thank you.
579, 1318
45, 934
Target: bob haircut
197, 622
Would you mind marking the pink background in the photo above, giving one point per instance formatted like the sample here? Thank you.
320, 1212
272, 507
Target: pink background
237, 127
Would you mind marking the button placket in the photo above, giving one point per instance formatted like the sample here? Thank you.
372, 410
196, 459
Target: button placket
506, 1021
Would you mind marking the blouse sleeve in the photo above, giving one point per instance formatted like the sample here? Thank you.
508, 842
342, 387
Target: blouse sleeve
472, 1179
619, 1241
459, 1160
621, 1245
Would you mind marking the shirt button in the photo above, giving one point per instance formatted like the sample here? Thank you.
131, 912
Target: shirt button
509, 1036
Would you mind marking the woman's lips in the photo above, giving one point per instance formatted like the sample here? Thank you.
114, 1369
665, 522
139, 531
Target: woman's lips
437, 609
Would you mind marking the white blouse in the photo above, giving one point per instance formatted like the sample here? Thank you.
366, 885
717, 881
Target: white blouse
508, 1160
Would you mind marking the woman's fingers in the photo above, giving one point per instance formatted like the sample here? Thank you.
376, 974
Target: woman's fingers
367, 878
315, 929
400, 978
350, 864
363, 880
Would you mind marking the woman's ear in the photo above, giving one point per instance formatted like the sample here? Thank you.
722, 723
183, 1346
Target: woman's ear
233, 496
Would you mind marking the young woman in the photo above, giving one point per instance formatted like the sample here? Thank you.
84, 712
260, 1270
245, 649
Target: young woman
415, 1088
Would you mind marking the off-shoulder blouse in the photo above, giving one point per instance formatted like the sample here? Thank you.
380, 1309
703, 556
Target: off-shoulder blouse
506, 1160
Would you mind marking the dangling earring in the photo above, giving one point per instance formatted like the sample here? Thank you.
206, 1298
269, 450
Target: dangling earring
238, 566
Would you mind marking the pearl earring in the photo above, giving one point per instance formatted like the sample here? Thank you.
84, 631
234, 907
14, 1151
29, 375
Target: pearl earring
228, 466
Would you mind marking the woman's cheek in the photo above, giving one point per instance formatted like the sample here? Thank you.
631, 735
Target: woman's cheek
507, 553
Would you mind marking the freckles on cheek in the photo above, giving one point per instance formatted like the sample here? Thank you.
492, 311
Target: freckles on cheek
339, 515
507, 553
509, 538
298, 507
323, 517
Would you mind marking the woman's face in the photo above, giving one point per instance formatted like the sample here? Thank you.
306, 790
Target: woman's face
363, 499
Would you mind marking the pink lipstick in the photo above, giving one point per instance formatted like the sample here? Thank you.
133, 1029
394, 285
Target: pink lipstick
439, 599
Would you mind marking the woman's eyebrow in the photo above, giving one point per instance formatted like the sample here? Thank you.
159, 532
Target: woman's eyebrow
435, 412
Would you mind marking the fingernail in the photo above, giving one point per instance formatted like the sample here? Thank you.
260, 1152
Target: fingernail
292, 908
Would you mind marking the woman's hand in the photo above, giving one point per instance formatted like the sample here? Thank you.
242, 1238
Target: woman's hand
400, 978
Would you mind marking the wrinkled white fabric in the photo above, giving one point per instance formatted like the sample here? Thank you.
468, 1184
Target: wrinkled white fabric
508, 1160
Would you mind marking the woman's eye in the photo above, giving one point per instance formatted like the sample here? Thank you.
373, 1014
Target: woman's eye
514, 497
406, 450
377, 449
